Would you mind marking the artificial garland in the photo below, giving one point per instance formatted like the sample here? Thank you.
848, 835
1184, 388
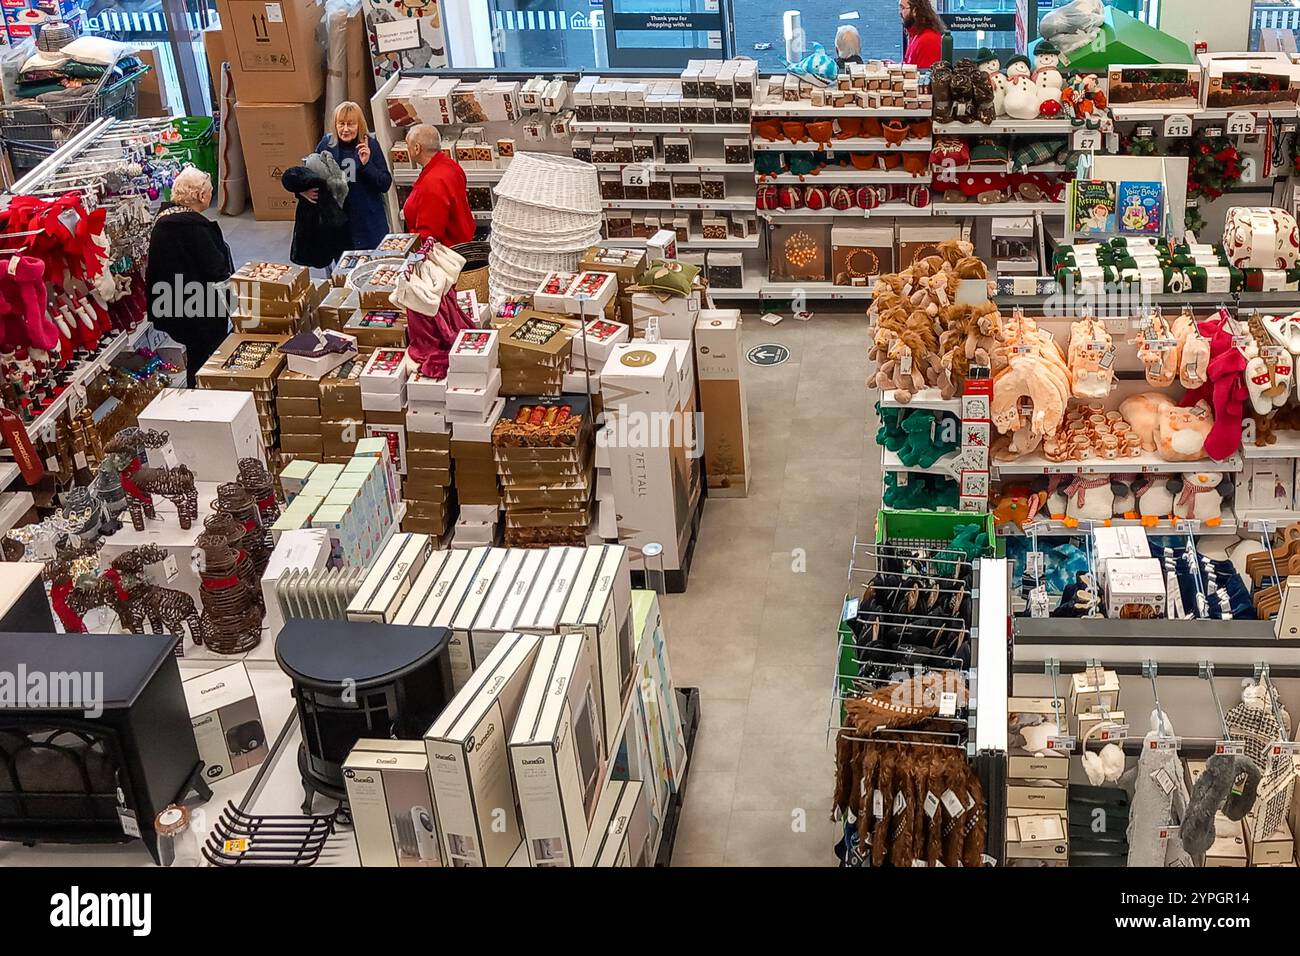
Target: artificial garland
1193, 221
1214, 166
1139, 145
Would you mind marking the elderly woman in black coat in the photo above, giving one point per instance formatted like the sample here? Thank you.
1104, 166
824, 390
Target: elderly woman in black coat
189, 263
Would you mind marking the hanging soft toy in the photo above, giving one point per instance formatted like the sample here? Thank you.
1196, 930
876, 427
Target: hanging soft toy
22, 290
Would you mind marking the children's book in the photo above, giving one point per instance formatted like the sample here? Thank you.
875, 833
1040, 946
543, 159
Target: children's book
1092, 207
1141, 208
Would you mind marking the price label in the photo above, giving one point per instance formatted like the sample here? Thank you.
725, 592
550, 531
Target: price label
877, 804
948, 704
1144, 132
170, 568
76, 400
1214, 131
1288, 128
239, 845
1114, 733
169, 456
931, 804
1034, 563
1241, 123
1038, 605
1116, 324
79, 460
1230, 748
1087, 140
952, 803
1065, 744
1164, 833
1242, 341
637, 175
1164, 743
130, 825
1279, 747
1178, 124
1188, 527
1262, 525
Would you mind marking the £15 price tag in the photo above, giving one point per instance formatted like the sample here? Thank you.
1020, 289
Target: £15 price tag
1241, 123
1178, 124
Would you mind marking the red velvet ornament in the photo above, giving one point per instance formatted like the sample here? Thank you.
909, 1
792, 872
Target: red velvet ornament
919, 196
766, 198
790, 197
868, 197
814, 197
1049, 108
842, 198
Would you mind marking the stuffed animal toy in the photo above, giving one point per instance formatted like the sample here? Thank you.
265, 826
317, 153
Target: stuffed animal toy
1155, 500
970, 539
985, 108
918, 196
804, 164
990, 67
901, 370
821, 133
850, 128
1021, 98
961, 90
769, 130
768, 163
1091, 498
920, 129
1180, 433
1047, 75
1016, 505
925, 443
1091, 359
795, 131
908, 491
1201, 496
1142, 412
915, 163
943, 108
1125, 499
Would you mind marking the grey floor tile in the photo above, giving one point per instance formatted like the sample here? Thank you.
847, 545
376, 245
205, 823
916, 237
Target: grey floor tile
722, 667
813, 575
780, 838
820, 438
790, 700
687, 860
798, 635
706, 813
785, 772
717, 743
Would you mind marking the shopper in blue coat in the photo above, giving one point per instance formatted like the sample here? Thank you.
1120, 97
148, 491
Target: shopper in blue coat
363, 163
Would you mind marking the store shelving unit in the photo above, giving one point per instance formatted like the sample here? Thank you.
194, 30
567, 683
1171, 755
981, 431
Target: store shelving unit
1229, 524
858, 144
847, 176
967, 209
830, 112
706, 129
1286, 446
885, 210
750, 242
1005, 124
928, 398
743, 204
712, 166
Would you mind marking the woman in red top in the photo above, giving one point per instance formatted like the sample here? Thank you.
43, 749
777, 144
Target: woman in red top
924, 33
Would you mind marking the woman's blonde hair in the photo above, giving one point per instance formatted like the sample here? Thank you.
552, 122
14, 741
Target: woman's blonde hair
349, 110
190, 186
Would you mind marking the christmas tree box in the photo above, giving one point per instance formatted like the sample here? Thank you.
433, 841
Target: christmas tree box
799, 252
722, 402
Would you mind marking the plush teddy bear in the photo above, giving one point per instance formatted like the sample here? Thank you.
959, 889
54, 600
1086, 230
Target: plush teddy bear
1125, 498
1181, 432
1201, 495
925, 443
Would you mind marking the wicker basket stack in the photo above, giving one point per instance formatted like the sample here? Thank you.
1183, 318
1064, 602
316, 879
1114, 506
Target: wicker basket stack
548, 212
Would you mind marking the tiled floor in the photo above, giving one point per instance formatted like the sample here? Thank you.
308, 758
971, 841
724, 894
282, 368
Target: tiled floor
755, 631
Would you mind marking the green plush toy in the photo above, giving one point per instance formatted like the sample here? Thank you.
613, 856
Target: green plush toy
919, 492
925, 444
971, 540
890, 435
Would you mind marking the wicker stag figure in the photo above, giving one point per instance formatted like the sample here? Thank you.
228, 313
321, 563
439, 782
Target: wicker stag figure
174, 484
164, 608
254, 477
225, 524
236, 501
128, 452
73, 561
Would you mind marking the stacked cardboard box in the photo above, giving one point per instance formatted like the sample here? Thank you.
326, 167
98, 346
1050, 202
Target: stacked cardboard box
427, 487
248, 362
545, 449
722, 402
534, 353
337, 307
297, 403
1037, 784
272, 298
343, 421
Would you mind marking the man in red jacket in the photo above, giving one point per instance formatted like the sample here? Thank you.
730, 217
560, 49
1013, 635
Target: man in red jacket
437, 206
924, 33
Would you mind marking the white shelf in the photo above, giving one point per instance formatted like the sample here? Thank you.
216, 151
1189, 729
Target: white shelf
13, 505
875, 144
9, 470
743, 204
1146, 463
1124, 113
851, 176
1286, 446
483, 175
807, 109
715, 129
1007, 167
926, 398
1046, 526
695, 243
814, 290
1256, 519
1004, 124
885, 209
658, 167
482, 214
889, 461
969, 209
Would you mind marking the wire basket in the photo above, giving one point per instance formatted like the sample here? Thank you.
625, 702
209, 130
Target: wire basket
559, 183
31, 130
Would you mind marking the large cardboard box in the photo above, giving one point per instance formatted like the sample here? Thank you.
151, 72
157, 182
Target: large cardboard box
645, 432
722, 402
275, 136
210, 430
214, 46
391, 798
151, 96
273, 52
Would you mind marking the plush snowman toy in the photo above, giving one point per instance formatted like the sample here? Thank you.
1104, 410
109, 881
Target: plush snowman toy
988, 63
1021, 100
1047, 75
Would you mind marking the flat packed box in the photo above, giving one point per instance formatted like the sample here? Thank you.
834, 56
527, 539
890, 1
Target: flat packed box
483, 636
1134, 582
1241, 81
557, 752
599, 607
722, 402
389, 579
1274, 848
620, 828
210, 430
469, 758
272, 50
1048, 798
391, 801
227, 725
487, 570
276, 136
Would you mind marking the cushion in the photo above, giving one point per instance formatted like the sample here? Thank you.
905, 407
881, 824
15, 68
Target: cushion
671, 277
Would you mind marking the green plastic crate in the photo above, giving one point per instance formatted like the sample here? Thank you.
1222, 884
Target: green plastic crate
931, 529
197, 144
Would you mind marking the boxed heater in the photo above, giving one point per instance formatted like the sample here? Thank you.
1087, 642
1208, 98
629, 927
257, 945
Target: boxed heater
391, 800
227, 724
389, 579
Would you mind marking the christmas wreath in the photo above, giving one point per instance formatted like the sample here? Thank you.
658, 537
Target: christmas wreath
1214, 165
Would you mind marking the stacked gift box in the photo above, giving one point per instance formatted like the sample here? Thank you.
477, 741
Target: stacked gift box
309, 357
473, 386
338, 306
273, 298
342, 417
534, 353
544, 448
1038, 832
248, 362
626, 265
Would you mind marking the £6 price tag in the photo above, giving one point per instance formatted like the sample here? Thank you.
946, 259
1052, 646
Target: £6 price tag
1178, 124
1240, 123
637, 175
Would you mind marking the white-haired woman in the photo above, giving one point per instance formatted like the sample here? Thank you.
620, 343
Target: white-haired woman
188, 263
848, 46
